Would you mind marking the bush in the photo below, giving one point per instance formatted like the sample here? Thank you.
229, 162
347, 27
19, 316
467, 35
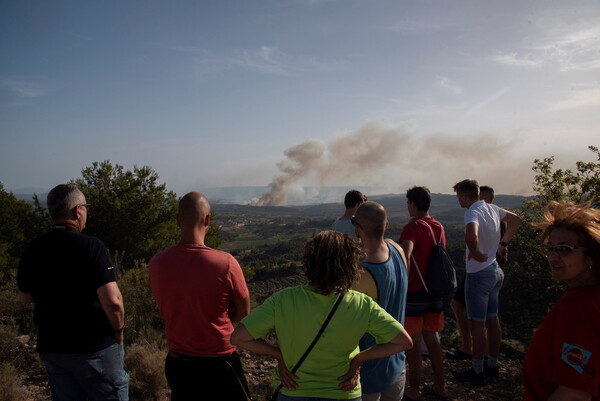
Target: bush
145, 364
141, 313
10, 383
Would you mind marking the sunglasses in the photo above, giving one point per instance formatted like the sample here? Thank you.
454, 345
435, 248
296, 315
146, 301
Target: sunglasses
561, 249
354, 222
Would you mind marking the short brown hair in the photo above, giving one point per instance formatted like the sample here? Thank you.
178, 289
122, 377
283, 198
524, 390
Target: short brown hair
469, 187
353, 198
582, 220
330, 262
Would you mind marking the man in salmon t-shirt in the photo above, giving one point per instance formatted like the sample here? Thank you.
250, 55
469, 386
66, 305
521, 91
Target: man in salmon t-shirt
200, 292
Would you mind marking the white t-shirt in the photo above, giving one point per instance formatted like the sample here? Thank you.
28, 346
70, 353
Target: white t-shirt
487, 216
344, 226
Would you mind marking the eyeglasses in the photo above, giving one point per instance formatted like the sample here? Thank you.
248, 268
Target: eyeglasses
354, 222
561, 249
85, 205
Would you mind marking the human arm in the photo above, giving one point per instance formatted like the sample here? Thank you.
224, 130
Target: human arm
513, 222
242, 338
400, 250
472, 241
407, 247
400, 343
112, 303
563, 393
24, 297
239, 309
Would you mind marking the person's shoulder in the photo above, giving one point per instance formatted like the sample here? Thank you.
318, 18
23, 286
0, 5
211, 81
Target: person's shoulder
587, 296
164, 255
432, 220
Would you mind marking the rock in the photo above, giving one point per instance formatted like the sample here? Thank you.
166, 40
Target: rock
24, 339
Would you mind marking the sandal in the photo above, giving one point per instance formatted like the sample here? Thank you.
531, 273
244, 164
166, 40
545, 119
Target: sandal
428, 389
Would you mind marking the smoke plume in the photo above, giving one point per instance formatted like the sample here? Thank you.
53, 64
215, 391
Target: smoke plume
377, 155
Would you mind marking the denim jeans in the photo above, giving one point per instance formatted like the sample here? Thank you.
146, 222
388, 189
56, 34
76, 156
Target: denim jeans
98, 376
481, 292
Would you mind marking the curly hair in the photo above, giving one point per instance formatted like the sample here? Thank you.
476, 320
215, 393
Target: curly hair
330, 262
582, 220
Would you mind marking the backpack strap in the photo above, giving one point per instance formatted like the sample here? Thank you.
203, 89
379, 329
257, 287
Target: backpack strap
412, 256
432, 234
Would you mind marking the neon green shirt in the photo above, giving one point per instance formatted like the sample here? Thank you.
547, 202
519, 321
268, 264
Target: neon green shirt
296, 314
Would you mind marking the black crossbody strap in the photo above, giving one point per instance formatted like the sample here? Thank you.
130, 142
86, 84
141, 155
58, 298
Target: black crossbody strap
311, 346
325, 323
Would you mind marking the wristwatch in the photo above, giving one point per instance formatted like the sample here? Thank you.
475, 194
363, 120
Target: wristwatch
504, 244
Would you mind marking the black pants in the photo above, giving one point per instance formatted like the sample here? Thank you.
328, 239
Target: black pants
206, 378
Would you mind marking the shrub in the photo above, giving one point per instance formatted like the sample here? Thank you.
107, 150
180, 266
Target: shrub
145, 364
10, 383
141, 313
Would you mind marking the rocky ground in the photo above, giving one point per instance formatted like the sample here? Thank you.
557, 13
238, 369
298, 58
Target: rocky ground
259, 368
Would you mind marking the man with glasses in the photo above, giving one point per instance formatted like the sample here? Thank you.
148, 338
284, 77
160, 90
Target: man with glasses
484, 276
78, 308
384, 278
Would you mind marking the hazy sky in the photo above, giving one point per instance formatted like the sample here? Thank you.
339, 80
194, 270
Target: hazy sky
331, 92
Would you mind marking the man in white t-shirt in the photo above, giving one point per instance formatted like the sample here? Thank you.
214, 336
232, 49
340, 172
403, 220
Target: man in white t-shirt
484, 276
352, 201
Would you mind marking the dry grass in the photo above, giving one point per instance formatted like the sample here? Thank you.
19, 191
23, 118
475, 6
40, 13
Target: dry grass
145, 364
10, 383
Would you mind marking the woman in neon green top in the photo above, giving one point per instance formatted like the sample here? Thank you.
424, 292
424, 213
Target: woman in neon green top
331, 370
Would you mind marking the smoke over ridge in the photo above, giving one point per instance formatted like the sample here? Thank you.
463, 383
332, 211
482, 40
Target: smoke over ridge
380, 155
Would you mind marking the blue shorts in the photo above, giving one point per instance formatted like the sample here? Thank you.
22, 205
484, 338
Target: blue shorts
481, 292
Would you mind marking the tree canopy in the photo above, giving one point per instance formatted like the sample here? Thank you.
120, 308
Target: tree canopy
528, 278
131, 212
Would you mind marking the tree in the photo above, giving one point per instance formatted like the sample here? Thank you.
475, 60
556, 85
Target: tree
131, 212
580, 185
20, 224
529, 291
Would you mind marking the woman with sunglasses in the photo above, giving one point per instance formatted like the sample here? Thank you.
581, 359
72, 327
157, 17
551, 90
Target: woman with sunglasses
563, 360
330, 371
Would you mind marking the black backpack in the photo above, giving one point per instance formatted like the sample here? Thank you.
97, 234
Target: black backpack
441, 276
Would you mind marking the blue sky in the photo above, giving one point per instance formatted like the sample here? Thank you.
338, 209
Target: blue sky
232, 93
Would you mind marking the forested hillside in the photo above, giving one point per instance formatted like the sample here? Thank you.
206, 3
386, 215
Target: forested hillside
134, 215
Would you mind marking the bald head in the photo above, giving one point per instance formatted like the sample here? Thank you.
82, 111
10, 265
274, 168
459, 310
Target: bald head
372, 218
193, 209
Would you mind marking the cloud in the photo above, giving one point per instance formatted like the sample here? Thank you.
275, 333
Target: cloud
514, 60
449, 86
577, 50
24, 87
267, 60
568, 48
582, 98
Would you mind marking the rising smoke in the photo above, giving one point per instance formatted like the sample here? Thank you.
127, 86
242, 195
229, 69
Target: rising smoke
378, 155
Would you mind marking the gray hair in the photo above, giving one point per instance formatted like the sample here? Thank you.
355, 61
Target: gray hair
61, 199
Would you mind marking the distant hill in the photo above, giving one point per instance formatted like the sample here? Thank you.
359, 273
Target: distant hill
444, 208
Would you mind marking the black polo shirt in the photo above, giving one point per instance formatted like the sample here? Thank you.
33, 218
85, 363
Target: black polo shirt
62, 270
